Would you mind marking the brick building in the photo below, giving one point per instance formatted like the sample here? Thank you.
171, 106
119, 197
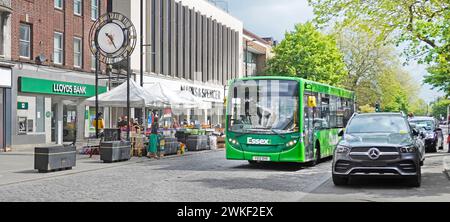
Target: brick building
51, 58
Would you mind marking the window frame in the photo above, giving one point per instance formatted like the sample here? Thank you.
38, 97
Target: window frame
97, 7
80, 13
78, 54
29, 41
60, 49
59, 7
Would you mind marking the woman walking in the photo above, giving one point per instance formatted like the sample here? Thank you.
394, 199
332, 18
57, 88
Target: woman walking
154, 142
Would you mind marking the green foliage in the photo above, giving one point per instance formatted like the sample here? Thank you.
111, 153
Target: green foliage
374, 71
419, 107
422, 26
309, 54
439, 108
367, 109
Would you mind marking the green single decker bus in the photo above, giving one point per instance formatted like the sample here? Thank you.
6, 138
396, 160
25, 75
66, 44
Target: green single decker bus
284, 119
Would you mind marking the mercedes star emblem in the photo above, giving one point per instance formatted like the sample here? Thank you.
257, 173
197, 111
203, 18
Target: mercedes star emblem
374, 153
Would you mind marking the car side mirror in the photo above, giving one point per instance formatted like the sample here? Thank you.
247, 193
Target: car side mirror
341, 133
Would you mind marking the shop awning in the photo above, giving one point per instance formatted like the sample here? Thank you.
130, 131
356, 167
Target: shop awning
178, 99
139, 97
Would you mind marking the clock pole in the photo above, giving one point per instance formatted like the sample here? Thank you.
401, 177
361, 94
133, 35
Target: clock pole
128, 95
97, 68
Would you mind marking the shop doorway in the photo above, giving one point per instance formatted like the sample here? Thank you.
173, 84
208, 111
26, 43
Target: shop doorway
69, 121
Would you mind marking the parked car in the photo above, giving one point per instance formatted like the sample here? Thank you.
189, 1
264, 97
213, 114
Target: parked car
378, 144
430, 132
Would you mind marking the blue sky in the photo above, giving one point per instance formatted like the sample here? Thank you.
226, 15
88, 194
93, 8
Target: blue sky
275, 17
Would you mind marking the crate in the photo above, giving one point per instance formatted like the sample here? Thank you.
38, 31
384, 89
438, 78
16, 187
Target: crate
48, 159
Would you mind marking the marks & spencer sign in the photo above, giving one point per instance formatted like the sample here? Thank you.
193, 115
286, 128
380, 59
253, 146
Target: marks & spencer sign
43, 86
202, 92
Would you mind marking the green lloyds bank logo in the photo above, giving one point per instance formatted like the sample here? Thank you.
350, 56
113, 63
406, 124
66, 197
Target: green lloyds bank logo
258, 141
69, 89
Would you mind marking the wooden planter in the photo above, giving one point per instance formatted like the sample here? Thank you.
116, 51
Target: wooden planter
47, 159
115, 151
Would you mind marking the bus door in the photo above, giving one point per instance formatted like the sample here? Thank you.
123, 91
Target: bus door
308, 127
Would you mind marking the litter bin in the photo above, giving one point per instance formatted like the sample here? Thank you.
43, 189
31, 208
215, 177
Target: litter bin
47, 159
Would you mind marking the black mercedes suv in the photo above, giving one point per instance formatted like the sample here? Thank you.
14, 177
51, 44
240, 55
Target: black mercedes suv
378, 144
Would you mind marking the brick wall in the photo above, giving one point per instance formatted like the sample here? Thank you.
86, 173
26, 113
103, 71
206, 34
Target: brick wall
44, 20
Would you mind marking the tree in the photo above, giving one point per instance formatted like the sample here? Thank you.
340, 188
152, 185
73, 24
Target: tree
419, 107
423, 26
367, 109
309, 54
366, 59
439, 108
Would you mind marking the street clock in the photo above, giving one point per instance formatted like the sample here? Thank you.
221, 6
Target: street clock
113, 38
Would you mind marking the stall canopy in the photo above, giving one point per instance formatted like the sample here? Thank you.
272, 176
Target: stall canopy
139, 97
177, 99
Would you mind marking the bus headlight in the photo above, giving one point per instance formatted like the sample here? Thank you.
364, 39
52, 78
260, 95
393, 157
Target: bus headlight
291, 143
233, 142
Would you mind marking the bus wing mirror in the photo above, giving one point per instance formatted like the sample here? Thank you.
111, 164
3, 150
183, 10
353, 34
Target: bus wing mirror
312, 102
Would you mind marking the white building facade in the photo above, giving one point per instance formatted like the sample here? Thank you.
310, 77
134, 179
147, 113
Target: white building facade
189, 45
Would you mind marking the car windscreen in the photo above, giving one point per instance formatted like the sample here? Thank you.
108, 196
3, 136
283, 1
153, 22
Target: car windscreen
377, 124
426, 124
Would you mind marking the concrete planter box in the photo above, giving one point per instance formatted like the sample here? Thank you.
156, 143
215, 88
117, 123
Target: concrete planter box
47, 159
197, 143
115, 151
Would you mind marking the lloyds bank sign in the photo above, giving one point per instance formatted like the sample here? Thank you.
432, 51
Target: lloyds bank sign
43, 86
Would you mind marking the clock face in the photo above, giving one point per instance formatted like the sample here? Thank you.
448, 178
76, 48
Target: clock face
111, 38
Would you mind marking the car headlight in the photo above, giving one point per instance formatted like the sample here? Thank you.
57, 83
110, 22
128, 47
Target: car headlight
342, 149
408, 149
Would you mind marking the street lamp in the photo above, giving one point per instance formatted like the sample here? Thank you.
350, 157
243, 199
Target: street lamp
246, 56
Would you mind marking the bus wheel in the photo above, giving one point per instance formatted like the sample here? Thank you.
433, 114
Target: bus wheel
317, 156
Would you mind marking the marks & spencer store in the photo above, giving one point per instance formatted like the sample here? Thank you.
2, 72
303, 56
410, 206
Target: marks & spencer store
47, 105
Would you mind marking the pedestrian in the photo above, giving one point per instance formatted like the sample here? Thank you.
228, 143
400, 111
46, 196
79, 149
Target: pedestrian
154, 140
